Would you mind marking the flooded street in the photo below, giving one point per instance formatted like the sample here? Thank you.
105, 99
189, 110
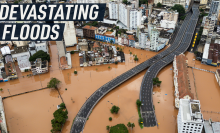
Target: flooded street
29, 112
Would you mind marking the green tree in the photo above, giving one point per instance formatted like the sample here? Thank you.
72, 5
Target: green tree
54, 82
132, 125
129, 124
40, 54
107, 127
114, 109
125, 2
138, 103
110, 118
72, 52
60, 117
119, 128
140, 120
136, 58
159, 5
75, 72
1, 89
116, 62
179, 9
62, 106
118, 48
111, 41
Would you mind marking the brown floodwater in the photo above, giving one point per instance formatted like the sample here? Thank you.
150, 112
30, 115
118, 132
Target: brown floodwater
79, 87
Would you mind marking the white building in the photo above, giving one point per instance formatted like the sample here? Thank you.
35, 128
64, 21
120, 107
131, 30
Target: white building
124, 14
37, 46
23, 63
39, 66
154, 39
142, 39
3, 123
69, 33
5, 50
167, 24
135, 18
189, 119
113, 10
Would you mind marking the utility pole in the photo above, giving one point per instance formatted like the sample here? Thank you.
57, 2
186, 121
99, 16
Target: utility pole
9, 91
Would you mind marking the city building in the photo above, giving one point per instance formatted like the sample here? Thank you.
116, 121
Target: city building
154, 35
123, 39
135, 18
63, 56
217, 76
104, 35
124, 14
113, 10
37, 46
82, 45
181, 79
69, 34
20, 43
10, 69
189, 117
39, 66
211, 54
5, 50
23, 63
214, 8
142, 39
211, 127
131, 41
20, 51
90, 31
3, 124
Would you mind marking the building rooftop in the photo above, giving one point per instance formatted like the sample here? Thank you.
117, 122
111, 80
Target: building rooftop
190, 111
183, 82
63, 60
131, 37
207, 127
206, 51
23, 61
88, 27
216, 127
19, 50
5, 50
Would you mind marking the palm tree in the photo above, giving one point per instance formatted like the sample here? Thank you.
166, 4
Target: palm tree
54, 82
129, 124
132, 126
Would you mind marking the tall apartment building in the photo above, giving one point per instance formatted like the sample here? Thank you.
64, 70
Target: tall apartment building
142, 39
69, 33
181, 79
214, 8
135, 15
154, 39
189, 118
124, 14
113, 10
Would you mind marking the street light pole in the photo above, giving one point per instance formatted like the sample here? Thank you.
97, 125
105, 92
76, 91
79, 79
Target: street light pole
9, 91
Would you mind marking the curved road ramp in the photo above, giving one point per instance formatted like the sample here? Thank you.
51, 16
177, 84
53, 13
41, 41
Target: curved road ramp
86, 109
147, 108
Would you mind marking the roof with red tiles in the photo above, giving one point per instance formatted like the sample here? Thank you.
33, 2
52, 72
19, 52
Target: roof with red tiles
183, 82
88, 27
63, 60
131, 37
